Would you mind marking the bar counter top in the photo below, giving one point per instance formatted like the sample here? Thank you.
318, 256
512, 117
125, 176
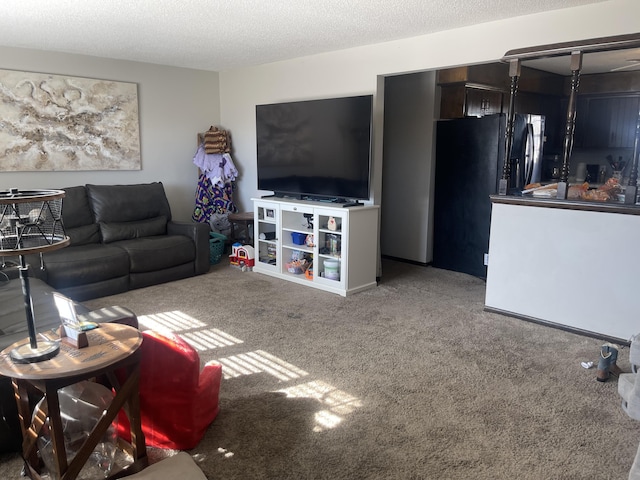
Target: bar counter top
589, 206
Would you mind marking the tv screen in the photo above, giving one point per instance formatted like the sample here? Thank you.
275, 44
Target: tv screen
315, 148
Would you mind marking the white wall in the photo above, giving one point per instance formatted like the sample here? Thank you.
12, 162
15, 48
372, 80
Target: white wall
174, 105
407, 171
355, 71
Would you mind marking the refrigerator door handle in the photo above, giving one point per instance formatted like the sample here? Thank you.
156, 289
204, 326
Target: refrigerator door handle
528, 156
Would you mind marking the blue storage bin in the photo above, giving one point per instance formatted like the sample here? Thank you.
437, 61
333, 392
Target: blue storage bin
298, 238
217, 242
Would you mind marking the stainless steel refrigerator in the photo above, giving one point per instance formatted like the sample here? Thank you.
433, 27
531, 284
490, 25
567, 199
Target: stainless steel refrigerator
469, 160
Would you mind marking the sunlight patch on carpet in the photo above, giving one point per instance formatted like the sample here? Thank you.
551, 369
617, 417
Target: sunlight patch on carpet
190, 330
175, 321
259, 362
209, 339
106, 314
337, 402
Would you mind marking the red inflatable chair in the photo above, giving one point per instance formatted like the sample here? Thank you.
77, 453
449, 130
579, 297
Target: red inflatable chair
177, 400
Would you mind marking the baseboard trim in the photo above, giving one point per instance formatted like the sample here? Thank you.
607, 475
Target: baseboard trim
578, 331
405, 260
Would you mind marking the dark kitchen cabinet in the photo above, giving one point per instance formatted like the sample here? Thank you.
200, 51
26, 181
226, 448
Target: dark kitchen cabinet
607, 122
473, 90
458, 101
481, 102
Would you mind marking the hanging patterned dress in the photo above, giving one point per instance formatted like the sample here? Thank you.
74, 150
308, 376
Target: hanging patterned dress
214, 194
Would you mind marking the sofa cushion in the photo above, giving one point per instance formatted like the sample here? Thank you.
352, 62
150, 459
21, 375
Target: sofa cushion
114, 231
83, 234
157, 253
75, 208
128, 203
103, 288
85, 264
156, 277
78, 218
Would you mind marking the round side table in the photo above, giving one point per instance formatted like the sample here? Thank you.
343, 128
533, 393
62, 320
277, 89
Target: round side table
111, 347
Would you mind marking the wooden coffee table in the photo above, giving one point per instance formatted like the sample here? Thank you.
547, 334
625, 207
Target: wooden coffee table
112, 347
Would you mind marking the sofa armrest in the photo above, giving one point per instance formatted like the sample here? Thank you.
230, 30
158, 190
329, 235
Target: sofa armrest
199, 234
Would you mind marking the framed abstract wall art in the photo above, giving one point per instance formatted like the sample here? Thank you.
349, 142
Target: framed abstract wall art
59, 123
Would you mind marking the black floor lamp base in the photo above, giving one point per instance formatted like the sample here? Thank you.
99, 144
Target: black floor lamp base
26, 354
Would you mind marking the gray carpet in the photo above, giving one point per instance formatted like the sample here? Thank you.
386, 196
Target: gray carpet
410, 380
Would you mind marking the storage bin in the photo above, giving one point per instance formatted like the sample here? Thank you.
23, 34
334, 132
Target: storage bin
298, 238
332, 269
217, 242
297, 267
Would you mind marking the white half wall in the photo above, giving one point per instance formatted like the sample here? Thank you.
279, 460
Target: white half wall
174, 105
561, 266
354, 71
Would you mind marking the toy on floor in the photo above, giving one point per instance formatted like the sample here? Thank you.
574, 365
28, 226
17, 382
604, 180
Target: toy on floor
242, 256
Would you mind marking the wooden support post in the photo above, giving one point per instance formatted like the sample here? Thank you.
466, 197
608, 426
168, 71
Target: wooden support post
631, 190
576, 66
514, 73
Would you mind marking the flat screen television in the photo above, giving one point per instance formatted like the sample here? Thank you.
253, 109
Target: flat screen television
315, 149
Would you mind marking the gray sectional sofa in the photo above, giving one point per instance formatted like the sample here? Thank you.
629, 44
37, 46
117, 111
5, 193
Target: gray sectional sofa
122, 237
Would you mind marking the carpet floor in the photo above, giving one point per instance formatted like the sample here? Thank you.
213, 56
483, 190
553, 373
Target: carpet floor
408, 380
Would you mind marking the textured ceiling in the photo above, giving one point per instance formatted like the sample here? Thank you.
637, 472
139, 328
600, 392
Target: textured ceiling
221, 35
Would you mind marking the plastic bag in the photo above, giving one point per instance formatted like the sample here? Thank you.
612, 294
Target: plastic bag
219, 223
81, 406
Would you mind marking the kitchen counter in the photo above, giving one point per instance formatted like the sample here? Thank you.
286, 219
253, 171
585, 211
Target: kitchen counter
567, 263
605, 207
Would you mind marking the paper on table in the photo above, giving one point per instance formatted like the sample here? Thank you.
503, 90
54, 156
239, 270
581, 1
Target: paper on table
551, 186
546, 193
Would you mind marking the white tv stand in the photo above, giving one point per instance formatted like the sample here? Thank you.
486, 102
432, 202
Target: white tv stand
350, 250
